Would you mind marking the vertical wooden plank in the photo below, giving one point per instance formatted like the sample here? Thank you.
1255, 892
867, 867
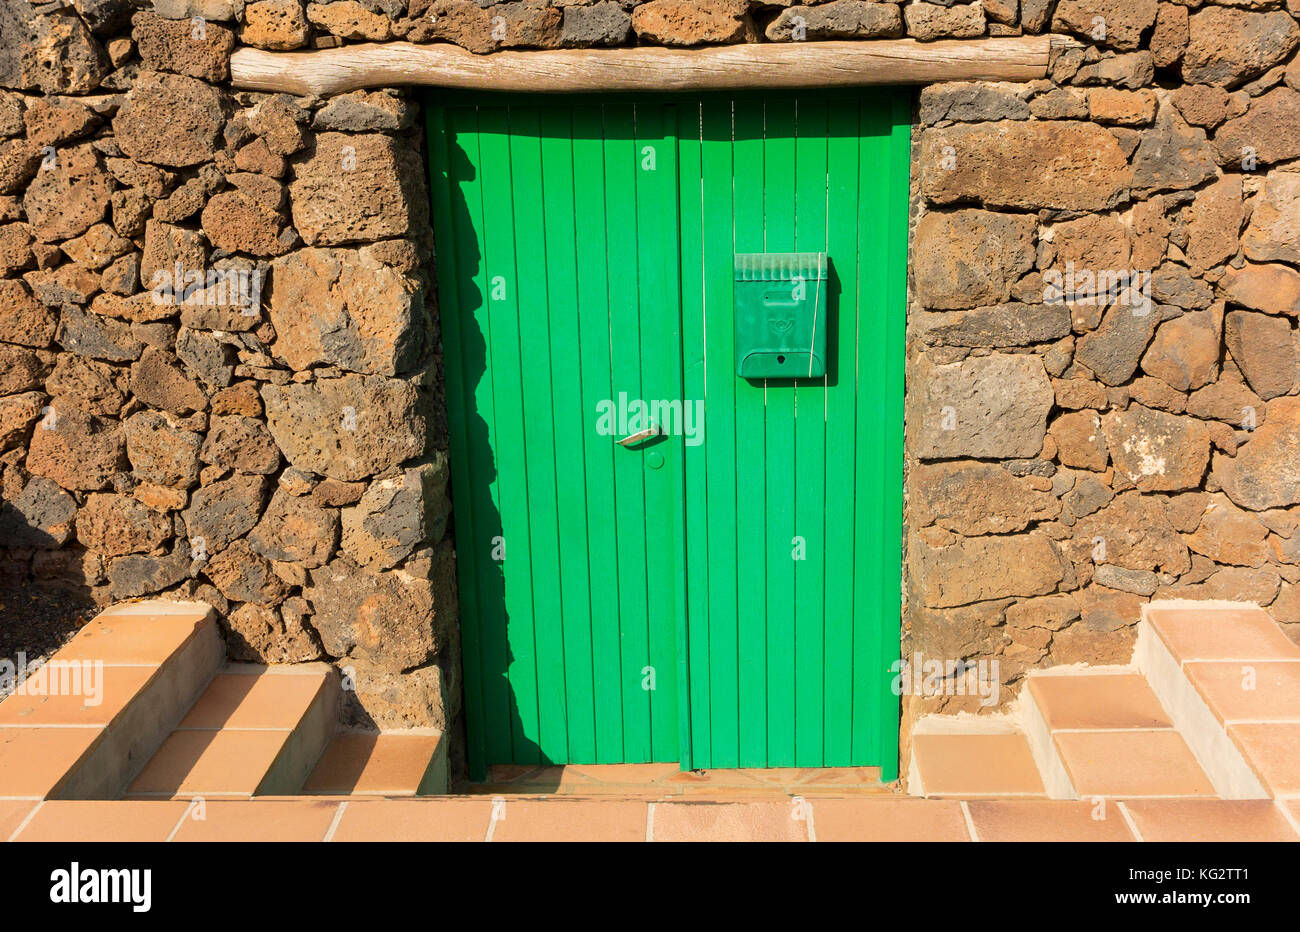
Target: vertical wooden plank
872, 421
660, 325
844, 173
751, 489
695, 451
533, 289
621, 166
558, 206
512, 646
596, 263
779, 182
449, 188
812, 199
716, 310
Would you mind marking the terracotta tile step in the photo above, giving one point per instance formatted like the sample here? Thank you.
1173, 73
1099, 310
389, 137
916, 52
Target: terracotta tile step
972, 758
82, 726
1103, 732
393, 763
1231, 677
254, 731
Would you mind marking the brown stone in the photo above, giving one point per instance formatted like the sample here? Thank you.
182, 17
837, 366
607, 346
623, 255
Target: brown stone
161, 452
86, 384
985, 407
1274, 231
224, 511
970, 258
531, 24
1133, 531
1265, 473
1214, 223
1201, 104
357, 187
977, 569
461, 22
1263, 348
1059, 164
1172, 155
1157, 451
1080, 644
1124, 22
1271, 288
346, 428
1185, 350
69, 196
1228, 401
169, 119
1052, 612
350, 20
1169, 38
975, 498
20, 159
77, 450
387, 618
698, 22
243, 576
331, 306
24, 319
158, 380
1124, 108
383, 698
262, 634
56, 121
278, 121
236, 222
118, 524
927, 21
17, 413
1080, 442
15, 248
240, 399
333, 492
1269, 132
257, 157
20, 369
181, 47
1229, 535
296, 529
1228, 47
278, 25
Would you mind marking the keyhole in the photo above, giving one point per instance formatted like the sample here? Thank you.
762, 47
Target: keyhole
780, 360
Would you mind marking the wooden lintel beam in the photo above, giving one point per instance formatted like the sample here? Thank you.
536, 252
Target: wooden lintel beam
729, 67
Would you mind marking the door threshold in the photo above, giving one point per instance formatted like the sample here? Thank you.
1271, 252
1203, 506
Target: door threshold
664, 780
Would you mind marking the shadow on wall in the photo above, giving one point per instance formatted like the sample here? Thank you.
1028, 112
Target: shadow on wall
44, 598
482, 580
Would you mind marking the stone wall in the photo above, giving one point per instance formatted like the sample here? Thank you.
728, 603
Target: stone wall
1069, 456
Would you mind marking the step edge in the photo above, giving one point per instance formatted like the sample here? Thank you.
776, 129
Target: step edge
1052, 770
305, 742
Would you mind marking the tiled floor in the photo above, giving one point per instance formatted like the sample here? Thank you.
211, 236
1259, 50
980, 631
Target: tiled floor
609, 818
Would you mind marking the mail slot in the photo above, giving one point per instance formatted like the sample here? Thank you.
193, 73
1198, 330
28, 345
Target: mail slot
780, 315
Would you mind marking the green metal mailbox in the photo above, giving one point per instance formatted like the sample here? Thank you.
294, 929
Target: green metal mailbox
780, 314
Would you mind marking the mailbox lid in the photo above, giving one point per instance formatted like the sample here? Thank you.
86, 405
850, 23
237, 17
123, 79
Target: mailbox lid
780, 266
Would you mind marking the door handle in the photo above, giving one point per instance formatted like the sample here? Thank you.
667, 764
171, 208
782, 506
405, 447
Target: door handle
651, 431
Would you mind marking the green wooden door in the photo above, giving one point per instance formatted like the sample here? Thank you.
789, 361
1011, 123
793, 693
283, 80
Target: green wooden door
722, 598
